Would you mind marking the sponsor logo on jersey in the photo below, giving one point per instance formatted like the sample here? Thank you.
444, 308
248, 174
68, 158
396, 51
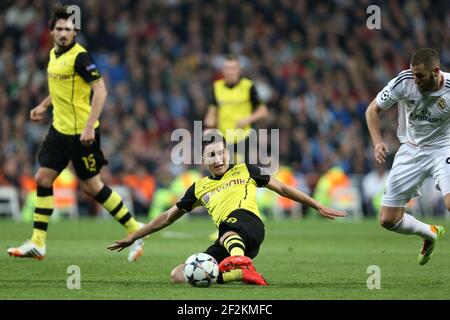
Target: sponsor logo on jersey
207, 196
57, 76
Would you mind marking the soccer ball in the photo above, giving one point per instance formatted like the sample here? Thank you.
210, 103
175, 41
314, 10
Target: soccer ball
201, 270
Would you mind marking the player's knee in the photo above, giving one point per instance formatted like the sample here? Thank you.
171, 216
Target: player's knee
91, 187
43, 180
226, 235
386, 221
86, 188
176, 276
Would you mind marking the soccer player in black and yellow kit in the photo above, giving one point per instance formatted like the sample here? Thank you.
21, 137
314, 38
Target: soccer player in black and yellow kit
229, 196
73, 136
234, 106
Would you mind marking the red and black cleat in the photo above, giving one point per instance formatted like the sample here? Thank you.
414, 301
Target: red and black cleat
236, 262
250, 276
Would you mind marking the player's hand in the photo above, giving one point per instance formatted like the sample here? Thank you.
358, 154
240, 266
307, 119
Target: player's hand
87, 136
331, 213
380, 152
242, 123
119, 245
37, 113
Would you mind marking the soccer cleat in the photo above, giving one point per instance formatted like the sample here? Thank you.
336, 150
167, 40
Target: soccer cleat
236, 262
250, 276
28, 250
137, 248
428, 246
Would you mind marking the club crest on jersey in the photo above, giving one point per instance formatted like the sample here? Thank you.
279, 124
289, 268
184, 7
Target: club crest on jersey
441, 103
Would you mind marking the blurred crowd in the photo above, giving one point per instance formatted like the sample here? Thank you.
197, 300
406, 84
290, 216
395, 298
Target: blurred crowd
315, 64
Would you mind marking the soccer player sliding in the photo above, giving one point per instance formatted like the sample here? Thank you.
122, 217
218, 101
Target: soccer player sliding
229, 196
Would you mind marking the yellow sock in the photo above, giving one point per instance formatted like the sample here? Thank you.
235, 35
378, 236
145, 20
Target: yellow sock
112, 202
234, 245
233, 275
39, 237
42, 213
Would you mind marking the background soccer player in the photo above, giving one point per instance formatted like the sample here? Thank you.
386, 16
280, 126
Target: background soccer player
229, 195
423, 96
235, 106
73, 136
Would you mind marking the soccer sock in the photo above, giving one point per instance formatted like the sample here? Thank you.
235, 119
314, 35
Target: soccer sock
233, 275
112, 202
234, 245
42, 212
410, 225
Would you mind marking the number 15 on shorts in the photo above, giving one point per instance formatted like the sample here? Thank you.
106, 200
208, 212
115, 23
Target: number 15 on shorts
89, 162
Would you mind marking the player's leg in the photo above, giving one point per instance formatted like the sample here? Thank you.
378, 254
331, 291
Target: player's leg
176, 276
246, 275
44, 204
87, 161
113, 203
233, 243
35, 248
241, 236
411, 167
52, 160
397, 220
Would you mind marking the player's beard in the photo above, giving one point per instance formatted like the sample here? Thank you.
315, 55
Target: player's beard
431, 84
64, 45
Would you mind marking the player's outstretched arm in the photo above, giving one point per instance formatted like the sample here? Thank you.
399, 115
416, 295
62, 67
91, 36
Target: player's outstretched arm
373, 123
287, 191
164, 220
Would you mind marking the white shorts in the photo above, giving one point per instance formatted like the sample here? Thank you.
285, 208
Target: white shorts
412, 165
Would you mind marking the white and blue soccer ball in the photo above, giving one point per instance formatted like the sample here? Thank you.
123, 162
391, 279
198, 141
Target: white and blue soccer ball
201, 270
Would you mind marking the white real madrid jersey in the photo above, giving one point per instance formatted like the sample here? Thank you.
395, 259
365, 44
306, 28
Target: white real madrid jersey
424, 117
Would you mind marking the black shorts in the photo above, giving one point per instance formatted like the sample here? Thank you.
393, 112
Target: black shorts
248, 226
58, 149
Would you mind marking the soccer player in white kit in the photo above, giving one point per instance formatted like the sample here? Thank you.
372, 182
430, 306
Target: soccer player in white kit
423, 97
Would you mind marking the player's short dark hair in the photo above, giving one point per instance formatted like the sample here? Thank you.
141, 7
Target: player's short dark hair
211, 137
59, 12
232, 57
429, 57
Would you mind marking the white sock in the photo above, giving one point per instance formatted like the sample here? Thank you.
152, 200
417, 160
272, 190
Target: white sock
410, 225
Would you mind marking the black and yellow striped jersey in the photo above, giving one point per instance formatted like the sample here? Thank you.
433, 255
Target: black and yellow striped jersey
234, 103
236, 189
70, 75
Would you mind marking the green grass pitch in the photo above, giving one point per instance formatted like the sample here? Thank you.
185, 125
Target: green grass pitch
301, 259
